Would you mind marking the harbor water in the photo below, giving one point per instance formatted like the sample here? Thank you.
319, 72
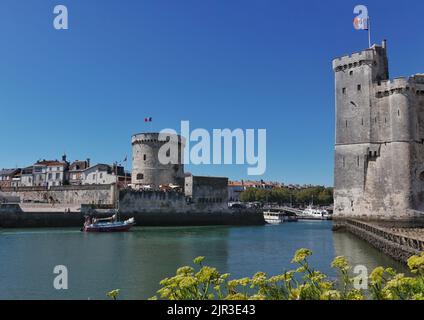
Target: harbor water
136, 261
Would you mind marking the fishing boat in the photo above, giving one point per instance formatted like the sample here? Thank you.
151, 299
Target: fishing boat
110, 224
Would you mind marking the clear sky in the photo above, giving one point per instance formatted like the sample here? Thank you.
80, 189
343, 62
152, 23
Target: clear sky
217, 63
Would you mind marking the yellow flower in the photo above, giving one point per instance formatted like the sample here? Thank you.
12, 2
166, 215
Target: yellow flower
188, 282
418, 296
416, 263
236, 296
259, 279
185, 270
295, 294
113, 294
301, 255
331, 295
341, 263
376, 275
207, 274
355, 295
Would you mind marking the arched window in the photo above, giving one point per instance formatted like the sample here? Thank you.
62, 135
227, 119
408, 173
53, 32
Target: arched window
144, 157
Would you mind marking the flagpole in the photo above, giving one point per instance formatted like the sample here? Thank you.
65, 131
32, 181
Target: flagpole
369, 32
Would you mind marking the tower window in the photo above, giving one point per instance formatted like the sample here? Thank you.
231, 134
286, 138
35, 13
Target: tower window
346, 123
359, 87
144, 157
140, 176
344, 90
351, 73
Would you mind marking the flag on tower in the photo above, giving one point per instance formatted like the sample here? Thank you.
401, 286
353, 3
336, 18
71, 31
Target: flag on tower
361, 23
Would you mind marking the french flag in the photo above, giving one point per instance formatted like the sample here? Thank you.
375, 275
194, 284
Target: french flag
148, 119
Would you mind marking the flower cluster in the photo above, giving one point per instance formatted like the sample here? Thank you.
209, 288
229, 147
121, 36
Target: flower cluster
302, 283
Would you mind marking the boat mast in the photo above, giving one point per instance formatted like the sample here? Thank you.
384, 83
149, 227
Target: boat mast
117, 191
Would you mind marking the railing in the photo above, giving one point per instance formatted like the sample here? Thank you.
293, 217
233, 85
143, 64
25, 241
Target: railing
402, 240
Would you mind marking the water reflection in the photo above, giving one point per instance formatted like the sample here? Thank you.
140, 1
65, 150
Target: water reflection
359, 252
135, 262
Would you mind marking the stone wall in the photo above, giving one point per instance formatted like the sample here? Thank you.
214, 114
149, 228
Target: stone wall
398, 246
379, 151
131, 201
207, 191
75, 195
11, 216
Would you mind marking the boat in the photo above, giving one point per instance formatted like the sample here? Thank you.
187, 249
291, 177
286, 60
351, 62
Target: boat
274, 217
107, 224
315, 214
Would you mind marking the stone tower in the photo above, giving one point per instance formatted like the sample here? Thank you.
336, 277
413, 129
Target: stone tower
147, 170
379, 150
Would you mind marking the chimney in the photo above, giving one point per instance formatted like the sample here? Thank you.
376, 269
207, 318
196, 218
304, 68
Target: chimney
88, 162
64, 158
384, 44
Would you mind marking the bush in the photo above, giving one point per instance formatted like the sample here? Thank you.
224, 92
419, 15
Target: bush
303, 283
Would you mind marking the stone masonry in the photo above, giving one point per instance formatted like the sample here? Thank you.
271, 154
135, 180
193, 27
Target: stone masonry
379, 150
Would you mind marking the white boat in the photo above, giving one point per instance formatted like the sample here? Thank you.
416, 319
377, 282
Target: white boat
316, 214
274, 217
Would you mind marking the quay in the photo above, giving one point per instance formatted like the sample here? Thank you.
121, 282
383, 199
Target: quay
398, 243
44, 216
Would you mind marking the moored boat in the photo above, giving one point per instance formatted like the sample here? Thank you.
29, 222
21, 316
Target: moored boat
315, 214
274, 217
107, 225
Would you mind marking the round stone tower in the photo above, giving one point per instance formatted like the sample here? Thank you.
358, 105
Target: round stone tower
154, 162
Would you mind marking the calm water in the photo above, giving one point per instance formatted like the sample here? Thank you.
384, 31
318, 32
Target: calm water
136, 261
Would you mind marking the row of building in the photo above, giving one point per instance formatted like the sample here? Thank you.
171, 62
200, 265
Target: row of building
235, 188
48, 173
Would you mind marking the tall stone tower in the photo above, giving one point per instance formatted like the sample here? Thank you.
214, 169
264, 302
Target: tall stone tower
147, 169
379, 150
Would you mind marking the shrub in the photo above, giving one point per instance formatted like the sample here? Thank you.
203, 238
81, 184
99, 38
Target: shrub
302, 283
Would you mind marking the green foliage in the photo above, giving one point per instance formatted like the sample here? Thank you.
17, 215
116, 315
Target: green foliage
302, 283
113, 294
320, 195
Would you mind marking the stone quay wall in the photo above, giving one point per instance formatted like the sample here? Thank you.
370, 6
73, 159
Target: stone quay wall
399, 243
71, 195
12, 216
131, 202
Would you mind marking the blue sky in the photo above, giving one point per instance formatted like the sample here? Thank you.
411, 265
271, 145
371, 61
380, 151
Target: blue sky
217, 63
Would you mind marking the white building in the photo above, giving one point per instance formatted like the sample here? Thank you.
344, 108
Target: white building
49, 173
102, 174
27, 178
